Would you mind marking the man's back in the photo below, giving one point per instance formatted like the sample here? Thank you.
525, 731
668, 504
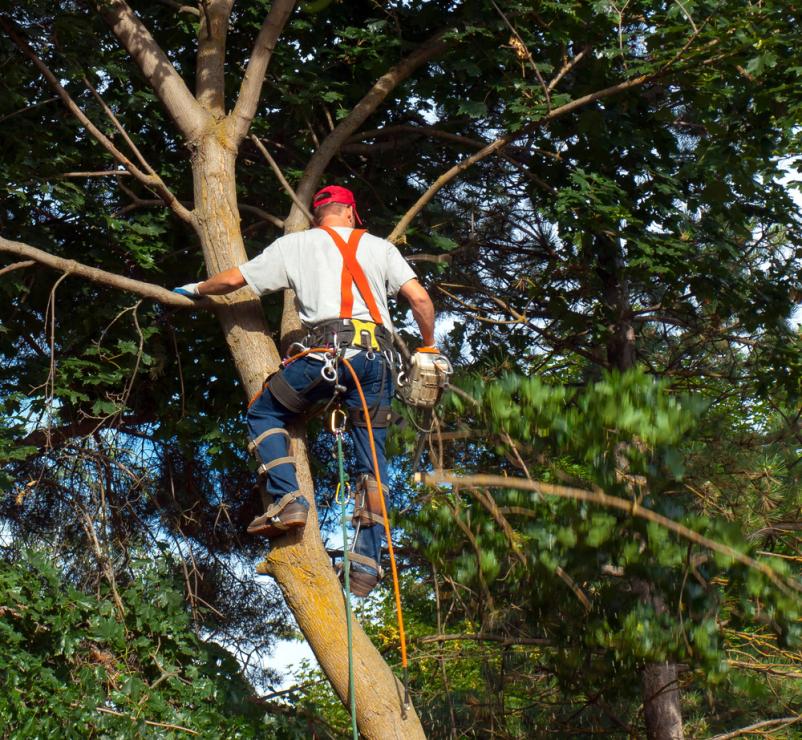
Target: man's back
310, 263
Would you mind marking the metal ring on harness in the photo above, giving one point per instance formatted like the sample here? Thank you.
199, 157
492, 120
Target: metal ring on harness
328, 373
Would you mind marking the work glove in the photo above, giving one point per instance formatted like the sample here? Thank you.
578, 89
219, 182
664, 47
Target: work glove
190, 290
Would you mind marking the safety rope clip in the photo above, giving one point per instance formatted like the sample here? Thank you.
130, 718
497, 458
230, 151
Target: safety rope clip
337, 421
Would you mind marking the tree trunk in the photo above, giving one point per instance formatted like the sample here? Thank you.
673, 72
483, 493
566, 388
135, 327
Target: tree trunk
298, 561
661, 697
661, 705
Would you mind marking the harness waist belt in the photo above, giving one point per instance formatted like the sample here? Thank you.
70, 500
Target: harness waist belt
351, 333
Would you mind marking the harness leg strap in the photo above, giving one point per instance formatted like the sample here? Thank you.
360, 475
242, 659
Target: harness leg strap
368, 502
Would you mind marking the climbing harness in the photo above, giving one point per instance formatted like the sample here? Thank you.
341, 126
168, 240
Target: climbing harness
337, 427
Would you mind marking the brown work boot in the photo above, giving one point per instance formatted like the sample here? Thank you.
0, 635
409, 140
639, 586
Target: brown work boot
363, 575
288, 513
361, 582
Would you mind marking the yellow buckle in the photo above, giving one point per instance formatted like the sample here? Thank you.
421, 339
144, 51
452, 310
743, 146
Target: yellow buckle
359, 328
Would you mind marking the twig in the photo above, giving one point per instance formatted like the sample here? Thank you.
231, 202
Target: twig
782, 721
116, 123
280, 176
97, 173
17, 266
165, 725
528, 53
567, 67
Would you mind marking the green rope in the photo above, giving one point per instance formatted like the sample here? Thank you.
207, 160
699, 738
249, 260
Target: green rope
346, 577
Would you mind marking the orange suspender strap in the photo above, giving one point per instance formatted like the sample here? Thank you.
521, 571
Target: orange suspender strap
352, 273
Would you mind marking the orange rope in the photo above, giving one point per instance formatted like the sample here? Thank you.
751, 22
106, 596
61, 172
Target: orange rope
393, 568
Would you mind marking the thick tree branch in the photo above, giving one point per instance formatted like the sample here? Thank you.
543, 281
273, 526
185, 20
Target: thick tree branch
189, 116
251, 88
210, 76
111, 279
317, 164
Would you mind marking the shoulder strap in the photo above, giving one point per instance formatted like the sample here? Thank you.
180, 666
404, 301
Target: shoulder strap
352, 273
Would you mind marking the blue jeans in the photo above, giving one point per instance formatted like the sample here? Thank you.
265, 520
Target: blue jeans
304, 376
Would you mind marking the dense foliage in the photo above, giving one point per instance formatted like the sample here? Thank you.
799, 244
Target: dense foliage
75, 666
617, 285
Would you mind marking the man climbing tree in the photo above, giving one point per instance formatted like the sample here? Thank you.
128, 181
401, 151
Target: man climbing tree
354, 327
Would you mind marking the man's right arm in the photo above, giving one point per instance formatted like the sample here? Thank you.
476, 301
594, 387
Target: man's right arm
220, 284
422, 309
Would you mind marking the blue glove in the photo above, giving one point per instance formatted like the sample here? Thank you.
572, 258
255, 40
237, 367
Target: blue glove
190, 290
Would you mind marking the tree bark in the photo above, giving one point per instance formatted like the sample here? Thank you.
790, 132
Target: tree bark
661, 705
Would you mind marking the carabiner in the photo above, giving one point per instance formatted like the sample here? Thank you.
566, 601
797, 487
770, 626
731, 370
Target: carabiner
337, 423
347, 493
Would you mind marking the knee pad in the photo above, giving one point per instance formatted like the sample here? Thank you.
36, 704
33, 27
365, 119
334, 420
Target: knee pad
253, 449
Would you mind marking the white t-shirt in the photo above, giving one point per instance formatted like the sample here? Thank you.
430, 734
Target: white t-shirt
310, 263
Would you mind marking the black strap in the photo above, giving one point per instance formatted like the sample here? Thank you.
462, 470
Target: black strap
287, 396
380, 418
